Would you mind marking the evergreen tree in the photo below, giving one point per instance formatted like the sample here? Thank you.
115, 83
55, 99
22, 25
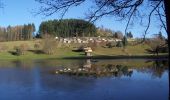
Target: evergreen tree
124, 41
67, 28
129, 35
118, 35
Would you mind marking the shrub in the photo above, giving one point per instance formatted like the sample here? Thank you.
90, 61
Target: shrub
21, 50
124, 41
81, 48
49, 46
157, 45
18, 51
110, 44
119, 44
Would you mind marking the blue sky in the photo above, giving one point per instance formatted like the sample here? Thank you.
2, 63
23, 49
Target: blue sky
19, 12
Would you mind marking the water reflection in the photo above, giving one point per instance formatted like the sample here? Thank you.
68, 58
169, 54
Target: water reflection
84, 80
158, 67
92, 68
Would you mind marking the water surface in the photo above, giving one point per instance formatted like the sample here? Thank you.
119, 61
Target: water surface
132, 80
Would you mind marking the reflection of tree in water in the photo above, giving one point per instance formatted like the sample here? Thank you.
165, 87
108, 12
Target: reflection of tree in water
58, 63
22, 64
123, 70
17, 63
92, 69
156, 68
159, 67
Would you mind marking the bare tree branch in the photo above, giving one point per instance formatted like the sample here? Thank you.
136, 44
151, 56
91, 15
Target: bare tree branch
122, 9
129, 19
149, 18
160, 18
50, 7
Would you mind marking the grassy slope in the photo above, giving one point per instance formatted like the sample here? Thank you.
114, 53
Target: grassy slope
130, 50
67, 51
11, 44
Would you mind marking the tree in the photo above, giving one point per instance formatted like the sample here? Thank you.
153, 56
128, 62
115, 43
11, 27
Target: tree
15, 33
104, 32
67, 28
123, 9
160, 36
157, 45
124, 41
118, 35
129, 35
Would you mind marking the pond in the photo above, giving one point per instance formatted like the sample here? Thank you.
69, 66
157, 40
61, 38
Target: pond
122, 79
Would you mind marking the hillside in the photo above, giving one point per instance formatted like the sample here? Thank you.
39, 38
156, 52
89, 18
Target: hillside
66, 50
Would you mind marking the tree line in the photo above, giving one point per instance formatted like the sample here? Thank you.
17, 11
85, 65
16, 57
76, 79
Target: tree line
15, 33
106, 32
67, 28
61, 28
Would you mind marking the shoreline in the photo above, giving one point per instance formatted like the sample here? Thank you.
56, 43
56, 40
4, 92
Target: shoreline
44, 57
122, 57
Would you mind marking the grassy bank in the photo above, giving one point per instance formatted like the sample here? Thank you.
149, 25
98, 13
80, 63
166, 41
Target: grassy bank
137, 51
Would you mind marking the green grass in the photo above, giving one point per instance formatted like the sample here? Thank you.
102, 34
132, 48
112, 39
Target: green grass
12, 44
130, 50
66, 51
31, 55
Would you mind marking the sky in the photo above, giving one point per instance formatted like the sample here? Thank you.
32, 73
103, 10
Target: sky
20, 12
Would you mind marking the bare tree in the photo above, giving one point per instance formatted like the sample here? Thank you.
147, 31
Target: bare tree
122, 9
156, 45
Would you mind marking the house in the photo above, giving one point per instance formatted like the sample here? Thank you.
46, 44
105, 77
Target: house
88, 51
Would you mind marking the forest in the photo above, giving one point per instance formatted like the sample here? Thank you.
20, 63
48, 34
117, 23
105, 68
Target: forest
16, 33
67, 28
58, 28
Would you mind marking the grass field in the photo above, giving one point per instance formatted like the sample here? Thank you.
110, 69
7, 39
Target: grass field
66, 51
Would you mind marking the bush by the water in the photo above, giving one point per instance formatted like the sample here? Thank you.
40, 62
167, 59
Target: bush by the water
119, 44
157, 45
81, 48
21, 50
111, 44
49, 46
